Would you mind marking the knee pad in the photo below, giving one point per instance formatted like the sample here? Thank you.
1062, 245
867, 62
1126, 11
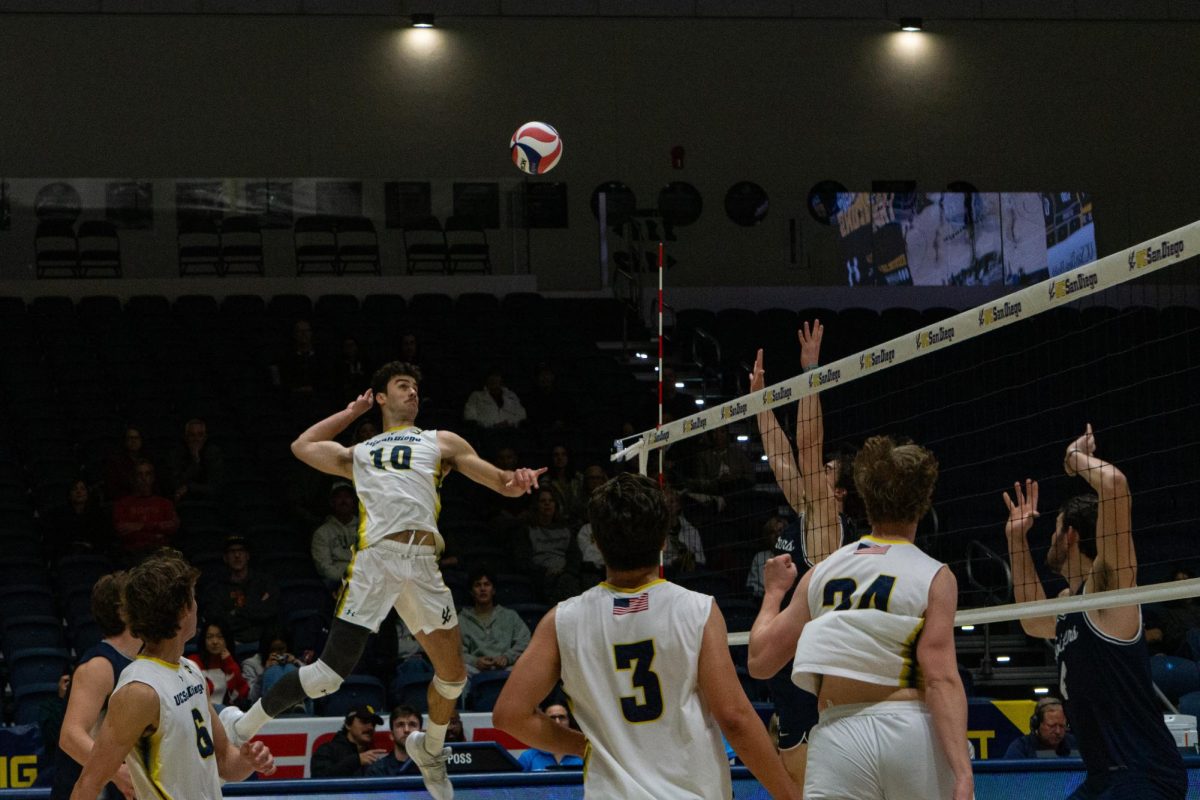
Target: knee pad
449, 689
319, 679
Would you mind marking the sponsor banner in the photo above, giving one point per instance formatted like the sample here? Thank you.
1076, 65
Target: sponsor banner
1104, 273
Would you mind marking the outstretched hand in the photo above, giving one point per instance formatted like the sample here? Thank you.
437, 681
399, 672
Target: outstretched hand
525, 479
1023, 511
810, 343
757, 378
361, 404
1085, 444
259, 755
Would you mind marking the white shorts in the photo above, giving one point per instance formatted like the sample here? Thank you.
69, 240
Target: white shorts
877, 750
391, 574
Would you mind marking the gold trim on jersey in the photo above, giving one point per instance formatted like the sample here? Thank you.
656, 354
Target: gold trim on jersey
878, 540
401, 428
623, 590
341, 599
910, 673
152, 763
362, 529
143, 657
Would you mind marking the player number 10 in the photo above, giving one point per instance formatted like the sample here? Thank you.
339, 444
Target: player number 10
400, 458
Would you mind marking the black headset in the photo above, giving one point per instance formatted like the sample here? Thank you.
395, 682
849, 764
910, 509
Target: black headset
1039, 711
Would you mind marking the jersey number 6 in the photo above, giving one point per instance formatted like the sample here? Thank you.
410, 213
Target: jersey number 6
639, 656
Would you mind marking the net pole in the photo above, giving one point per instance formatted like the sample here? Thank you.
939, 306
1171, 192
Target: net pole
662, 478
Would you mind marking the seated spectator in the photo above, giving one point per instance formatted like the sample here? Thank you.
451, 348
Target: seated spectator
273, 660
567, 484
120, 470
534, 760
246, 599
591, 570
226, 684
719, 467
403, 720
770, 534
1168, 623
684, 551
351, 750
493, 637
333, 542
1047, 737
454, 729
299, 370
144, 521
79, 526
495, 405
550, 410
350, 373
197, 467
549, 550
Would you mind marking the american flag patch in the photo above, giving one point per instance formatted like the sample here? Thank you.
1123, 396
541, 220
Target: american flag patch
865, 549
631, 605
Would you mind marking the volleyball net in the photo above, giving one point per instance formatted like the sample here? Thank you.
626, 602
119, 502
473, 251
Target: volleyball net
997, 392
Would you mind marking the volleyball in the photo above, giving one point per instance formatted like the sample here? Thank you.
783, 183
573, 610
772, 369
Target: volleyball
536, 148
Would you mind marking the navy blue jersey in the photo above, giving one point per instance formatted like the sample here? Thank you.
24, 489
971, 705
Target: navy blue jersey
1111, 705
66, 769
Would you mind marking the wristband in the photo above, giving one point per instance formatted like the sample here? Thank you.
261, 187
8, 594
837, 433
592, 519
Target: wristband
808, 368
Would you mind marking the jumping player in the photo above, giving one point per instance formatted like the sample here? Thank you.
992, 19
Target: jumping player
397, 475
647, 667
1103, 662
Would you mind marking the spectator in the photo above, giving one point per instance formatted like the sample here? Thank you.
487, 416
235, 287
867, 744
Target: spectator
226, 684
403, 720
1168, 623
500, 510
684, 551
550, 409
1047, 737
549, 549
246, 599
350, 374
493, 637
273, 660
333, 542
454, 731
367, 429
197, 467
144, 520
495, 405
770, 534
721, 467
79, 526
350, 752
591, 569
299, 370
534, 760
121, 467
567, 484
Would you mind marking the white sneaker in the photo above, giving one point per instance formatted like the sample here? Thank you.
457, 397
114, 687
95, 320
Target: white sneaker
229, 716
433, 768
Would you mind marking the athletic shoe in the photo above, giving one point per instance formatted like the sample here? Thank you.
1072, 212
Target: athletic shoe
433, 768
229, 716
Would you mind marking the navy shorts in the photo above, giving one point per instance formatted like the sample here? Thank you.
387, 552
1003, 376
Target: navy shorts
796, 708
1127, 786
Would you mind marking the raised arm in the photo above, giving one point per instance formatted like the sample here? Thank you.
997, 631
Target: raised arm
1027, 585
131, 712
1116, 561
822, 528
458, 454
718, 684
316, 447
774, 634
943, 687
776, 445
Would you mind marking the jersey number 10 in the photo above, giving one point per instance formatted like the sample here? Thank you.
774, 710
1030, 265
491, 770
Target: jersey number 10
401, 457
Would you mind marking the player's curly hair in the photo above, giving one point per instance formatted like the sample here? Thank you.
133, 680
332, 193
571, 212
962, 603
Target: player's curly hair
379, 381
895, 481
158, 592
629, 519
106, 603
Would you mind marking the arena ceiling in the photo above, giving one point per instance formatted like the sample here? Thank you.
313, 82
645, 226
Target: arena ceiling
1158, 10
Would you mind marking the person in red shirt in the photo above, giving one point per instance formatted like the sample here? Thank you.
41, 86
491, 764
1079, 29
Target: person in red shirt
144, 520
226, 684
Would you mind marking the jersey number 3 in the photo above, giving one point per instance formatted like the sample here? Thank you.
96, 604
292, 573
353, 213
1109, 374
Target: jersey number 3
400, 458
639, 656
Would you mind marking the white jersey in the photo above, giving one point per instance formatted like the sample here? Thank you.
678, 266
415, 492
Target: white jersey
397, 475
176, 761
630, 665
867, 602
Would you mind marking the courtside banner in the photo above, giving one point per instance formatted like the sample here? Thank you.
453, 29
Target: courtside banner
1111, 270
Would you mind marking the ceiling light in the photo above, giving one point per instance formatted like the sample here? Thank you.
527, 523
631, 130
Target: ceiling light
910, 24
426, 20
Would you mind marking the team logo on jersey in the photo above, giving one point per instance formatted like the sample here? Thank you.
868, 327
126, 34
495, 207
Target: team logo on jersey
1064, 639
1144, 257
695, 424
931, 337
1065, 287
631, 605
733, 410
191, 691
869, 361
994, 314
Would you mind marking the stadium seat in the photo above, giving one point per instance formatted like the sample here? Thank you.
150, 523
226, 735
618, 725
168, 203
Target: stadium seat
26, 600
84, 635
36, 665
241, 246
28, 700
24, 633
305, 594
357, 246
1175, 676
425, 246
513, 588
412, 690
99, 248
315, 242
484, 689
1190, 704
80, 570
356, 690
